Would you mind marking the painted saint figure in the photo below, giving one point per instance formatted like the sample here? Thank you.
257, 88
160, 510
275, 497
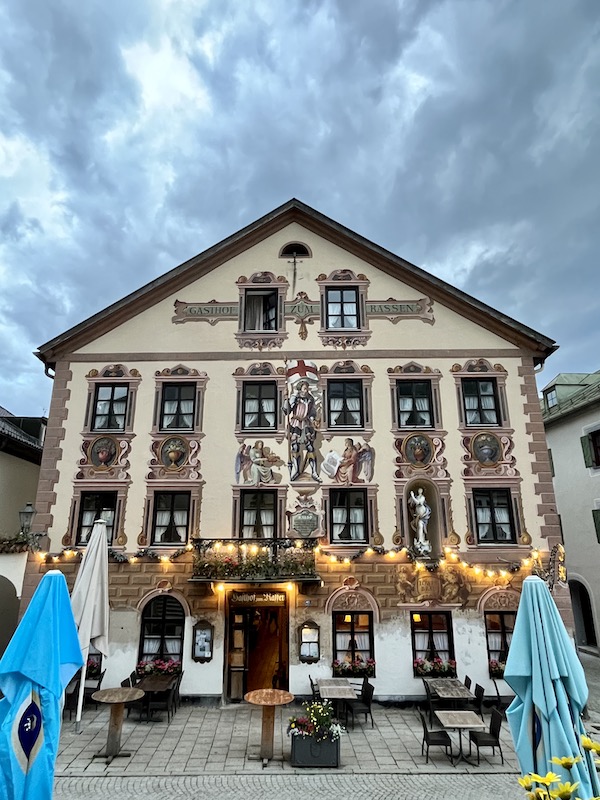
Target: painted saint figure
301, 408
421, 513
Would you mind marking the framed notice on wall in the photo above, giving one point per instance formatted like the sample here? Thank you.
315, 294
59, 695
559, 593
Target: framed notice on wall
202, 641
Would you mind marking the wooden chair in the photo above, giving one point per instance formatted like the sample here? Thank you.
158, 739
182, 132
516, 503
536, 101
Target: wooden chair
162, 701
436, 738
489, 738
315, 690
362, 705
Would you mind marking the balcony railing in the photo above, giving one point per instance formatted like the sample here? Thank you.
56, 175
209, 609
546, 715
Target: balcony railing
254, 560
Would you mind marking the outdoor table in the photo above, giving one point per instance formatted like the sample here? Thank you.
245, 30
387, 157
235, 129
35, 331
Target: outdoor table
450, 689
116, 698
151, 684
268, 699
336, 690
460, 720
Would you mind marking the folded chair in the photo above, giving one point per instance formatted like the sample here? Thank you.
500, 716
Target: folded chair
436, 738
489, 738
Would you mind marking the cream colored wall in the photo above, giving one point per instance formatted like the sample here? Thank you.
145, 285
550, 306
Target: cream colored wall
18, 486
153, 332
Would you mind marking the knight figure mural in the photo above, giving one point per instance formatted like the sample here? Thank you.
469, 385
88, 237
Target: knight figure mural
302, 407
421, 513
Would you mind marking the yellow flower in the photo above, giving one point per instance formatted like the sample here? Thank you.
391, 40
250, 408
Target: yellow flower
551, 777
540, 794
526, 782
588, 744
566, 761
564, 791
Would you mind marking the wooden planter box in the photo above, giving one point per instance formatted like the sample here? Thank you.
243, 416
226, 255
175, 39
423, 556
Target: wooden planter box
306, 752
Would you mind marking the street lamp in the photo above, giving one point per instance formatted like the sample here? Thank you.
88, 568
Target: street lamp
26, 516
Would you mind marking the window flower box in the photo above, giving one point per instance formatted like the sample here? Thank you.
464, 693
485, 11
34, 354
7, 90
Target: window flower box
158, 667
434, 668
354, 669
496, 668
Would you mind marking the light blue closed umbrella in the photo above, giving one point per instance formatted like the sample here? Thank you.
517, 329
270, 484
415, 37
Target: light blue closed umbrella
551, 692
40, 660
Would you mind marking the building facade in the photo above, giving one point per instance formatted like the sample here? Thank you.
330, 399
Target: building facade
571, 407
311, 455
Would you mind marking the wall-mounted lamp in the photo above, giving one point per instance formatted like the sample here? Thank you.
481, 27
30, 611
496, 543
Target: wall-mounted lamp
26, 516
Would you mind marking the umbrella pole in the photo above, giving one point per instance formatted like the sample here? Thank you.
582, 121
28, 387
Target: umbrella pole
84, 654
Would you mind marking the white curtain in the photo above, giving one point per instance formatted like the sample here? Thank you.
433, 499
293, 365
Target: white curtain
340, 516
350, 315
173, 646
353, 404
336, 404
151, 645
102, 407
472, 406
267, 518
494, 644
251, 413
334, 315
502, 524
357, 524
248, 526
484, 518
170, 409
180, 520
162, 521
440, 642
268, 407
421, 644
254, 312
488, 409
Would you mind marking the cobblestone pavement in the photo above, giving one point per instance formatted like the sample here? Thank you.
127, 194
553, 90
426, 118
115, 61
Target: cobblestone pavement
212, 750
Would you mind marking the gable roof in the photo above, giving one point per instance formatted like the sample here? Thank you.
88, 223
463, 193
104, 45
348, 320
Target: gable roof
294, 210
579, 400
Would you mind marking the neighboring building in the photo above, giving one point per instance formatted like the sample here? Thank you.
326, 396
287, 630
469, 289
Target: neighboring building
571, 406
306, 450
21, 442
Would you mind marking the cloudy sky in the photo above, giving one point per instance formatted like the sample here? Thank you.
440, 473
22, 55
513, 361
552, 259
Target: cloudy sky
460, 134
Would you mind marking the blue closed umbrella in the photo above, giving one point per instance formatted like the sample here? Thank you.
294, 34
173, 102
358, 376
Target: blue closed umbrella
40, 660
551, 692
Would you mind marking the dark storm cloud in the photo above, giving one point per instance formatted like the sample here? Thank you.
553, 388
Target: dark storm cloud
461, 135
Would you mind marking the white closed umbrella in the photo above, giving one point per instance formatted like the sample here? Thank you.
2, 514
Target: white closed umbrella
89, 600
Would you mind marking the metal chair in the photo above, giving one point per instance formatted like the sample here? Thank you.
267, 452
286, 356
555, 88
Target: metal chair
71, 697
467, 682
436, 738
316, 696
362, 705
479, 698
489, 738
161, 701
92, 685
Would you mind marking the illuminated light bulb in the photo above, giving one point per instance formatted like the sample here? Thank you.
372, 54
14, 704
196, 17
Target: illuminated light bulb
490, 573
264, 549
369, 551
132, 560
447, 549
244, 547
316, 549
42, 556
346, 561
442, 562
503, 573
477, 570
333, 559
217, 545
464, 564
418, 565
68, 553
55, 558
526, 562
189, 546
298, 544
220, 587
392, 553
254, 549
404, 550
454, 556
535, 554
290, 586
230, 548
164, 559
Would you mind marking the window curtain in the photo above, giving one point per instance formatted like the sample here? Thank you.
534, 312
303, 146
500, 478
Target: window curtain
162, 521
440, 643
495, 644
472, 407
268, 408
421, 644
249, 524
173, 647
251, 413
334, 314
484, 518
151, 645
353, 405
502, 518
362, 643
254, 312
186, 408
350, 317
488, 409
339, 517
357, 524
267, 520
336, 405
180, 519
102, 409
170, 409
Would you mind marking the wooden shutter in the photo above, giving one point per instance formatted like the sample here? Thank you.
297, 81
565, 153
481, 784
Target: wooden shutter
588, 453
596, 516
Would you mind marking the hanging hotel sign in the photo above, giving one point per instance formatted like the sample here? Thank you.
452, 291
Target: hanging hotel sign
259, 598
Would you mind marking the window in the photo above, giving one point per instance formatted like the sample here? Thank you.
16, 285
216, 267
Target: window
590, 444
432, 636
295, 250
345, 404
110, 407
309, 635
551, 398
348, 516
414, 404
162, 629
481, 401
93, 506
259, 405
177, 406
260, 310
342, 308
499, 627
171, 518
353, 636
258, 515
494, 518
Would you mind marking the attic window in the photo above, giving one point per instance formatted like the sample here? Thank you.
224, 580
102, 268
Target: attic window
295, 249
551, 398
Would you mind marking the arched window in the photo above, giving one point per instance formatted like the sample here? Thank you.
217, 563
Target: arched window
295, 250
162, 629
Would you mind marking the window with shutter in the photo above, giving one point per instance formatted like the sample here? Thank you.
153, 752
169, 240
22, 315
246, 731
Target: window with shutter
596, 516
590, 445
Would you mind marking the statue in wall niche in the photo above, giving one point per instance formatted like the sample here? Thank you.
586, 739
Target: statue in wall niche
421, 512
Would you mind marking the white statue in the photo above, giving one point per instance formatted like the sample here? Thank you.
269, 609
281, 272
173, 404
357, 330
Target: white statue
421, 514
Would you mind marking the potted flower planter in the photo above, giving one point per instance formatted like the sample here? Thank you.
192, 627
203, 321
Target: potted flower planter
307, 752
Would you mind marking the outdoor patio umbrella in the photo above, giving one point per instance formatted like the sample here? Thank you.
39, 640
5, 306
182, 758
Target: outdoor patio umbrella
89, 600
40, 660
549, 682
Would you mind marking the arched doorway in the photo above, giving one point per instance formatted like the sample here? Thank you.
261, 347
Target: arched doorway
9, 603
585, 630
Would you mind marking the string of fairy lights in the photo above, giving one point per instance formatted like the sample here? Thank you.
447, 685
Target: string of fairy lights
215, 549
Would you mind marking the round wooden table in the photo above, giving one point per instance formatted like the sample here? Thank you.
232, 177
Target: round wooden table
116, 698
268, 699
